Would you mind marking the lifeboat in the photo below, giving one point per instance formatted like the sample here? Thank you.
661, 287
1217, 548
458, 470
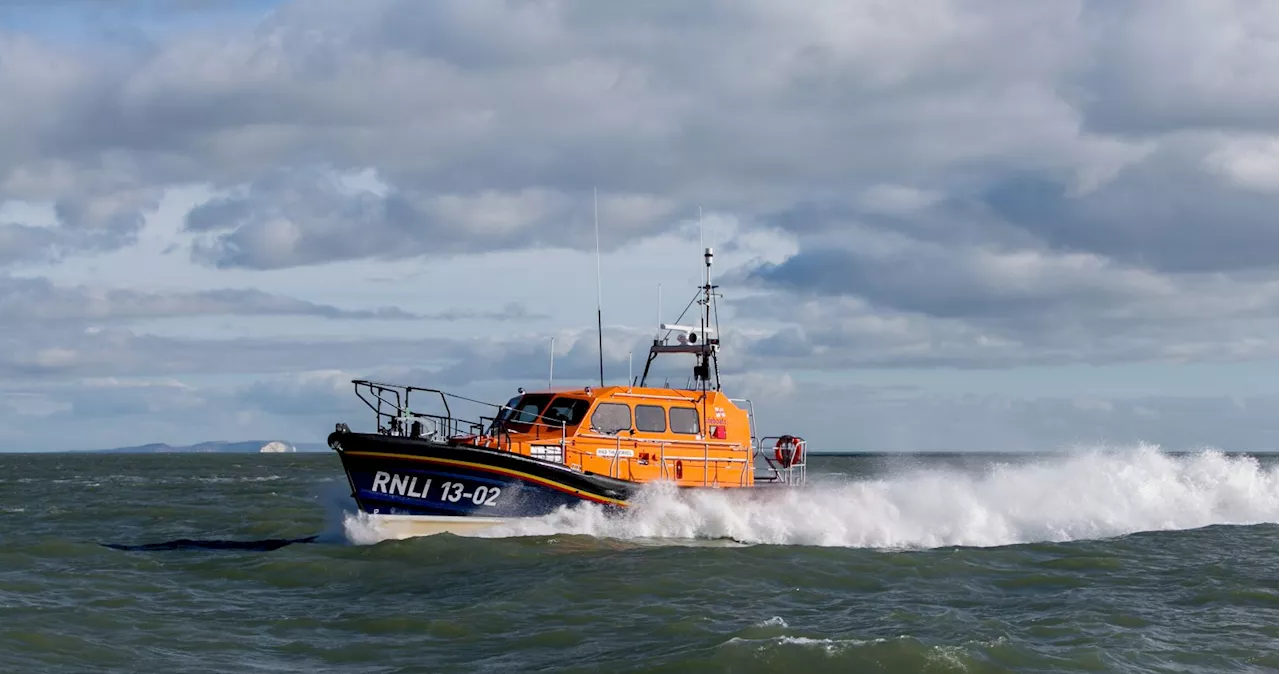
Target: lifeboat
425, 468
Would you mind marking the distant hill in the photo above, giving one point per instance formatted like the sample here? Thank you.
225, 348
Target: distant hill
217, 447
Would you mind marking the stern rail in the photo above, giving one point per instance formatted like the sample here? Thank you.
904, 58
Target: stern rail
792, 473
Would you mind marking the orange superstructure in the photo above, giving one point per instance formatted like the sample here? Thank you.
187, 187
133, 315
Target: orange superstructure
641, 434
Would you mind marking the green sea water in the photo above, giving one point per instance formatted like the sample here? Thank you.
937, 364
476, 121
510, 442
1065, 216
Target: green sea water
1120, 561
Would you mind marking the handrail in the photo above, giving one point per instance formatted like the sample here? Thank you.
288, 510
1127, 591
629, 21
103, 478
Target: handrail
713, 459
396, 397
793, 474
726, 444
706, 459
654, 396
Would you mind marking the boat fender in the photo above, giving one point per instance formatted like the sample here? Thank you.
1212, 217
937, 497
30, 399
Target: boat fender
787, 451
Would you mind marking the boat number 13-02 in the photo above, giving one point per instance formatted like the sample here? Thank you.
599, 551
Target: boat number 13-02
407, 485
452, 491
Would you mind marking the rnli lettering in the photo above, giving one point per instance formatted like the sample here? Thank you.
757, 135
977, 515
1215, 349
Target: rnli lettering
402, 485
451, 492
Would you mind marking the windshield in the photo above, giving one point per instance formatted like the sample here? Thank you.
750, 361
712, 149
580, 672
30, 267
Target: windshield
505, 411
570, 411
523, 410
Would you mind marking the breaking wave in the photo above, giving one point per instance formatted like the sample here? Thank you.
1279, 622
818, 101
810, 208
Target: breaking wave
1082, 495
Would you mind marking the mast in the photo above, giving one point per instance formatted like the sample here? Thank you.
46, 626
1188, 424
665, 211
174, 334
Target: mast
694, 339
702, 371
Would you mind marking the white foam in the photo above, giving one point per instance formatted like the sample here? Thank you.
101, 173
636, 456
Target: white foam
1082, 495
828, 646
359, 528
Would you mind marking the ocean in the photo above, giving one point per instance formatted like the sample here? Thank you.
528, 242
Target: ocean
1128, 560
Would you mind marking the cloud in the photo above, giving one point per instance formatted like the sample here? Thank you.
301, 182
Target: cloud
872, 298
926, 184
497, 140
36, 299
872, 419
32, 301
24, 242
99, 352
1209, 66
1191, 205
310, 216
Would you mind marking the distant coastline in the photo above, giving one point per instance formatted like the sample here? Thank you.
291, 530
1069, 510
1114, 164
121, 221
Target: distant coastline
215, 447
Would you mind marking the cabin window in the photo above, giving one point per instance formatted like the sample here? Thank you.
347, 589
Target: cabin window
505, 411
567, 410
527, 410
611, 418
651, 419
684, 420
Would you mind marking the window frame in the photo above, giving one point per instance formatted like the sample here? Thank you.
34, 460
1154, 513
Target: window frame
513, 422
697, 420
585, 404
662, 416
600, 406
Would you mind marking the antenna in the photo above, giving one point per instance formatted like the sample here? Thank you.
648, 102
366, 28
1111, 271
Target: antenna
659, 310
552, 371
702, 243
699, 337
595, 207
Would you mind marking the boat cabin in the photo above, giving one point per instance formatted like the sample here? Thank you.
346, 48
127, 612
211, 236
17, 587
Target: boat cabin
633, 433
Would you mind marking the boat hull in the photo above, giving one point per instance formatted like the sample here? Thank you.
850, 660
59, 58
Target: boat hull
430, 487
411, 526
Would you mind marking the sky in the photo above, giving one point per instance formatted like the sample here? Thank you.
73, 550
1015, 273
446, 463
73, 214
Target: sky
939, 225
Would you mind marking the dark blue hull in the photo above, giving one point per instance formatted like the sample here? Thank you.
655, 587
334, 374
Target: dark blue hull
391, 475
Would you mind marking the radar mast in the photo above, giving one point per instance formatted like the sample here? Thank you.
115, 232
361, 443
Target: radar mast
702, 340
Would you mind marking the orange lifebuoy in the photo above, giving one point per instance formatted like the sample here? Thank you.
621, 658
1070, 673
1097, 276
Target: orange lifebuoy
788, 451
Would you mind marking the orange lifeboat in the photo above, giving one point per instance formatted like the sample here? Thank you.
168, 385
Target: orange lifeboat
434, 471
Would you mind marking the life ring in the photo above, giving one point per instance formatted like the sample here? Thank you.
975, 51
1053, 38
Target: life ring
788, 451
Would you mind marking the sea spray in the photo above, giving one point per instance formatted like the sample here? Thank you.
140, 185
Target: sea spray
1080, 495
344, 523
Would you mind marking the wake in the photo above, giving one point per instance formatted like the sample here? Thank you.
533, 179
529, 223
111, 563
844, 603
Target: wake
1083, 495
